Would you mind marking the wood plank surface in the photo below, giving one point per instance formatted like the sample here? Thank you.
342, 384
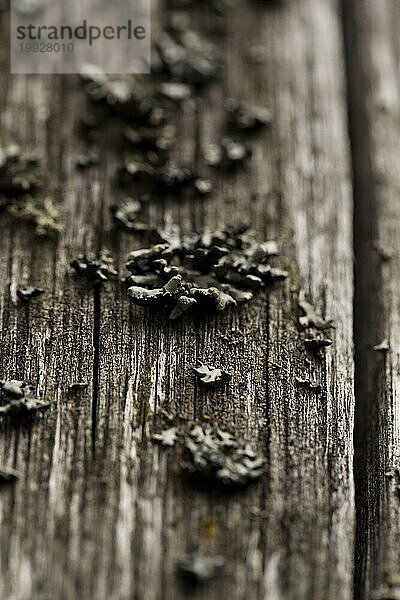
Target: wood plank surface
372, 35
100, 510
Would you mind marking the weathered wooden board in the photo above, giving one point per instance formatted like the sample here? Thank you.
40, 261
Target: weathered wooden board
372, 33
102, 512
50, 343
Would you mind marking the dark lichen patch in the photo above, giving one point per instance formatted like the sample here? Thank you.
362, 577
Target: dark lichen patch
186, 56
181, 60
41, 211
202, 186
87, 160
19, 172
247, 117
148, 259
227, 154
197, 567
8, 475
209, 375
382, 347
128, 96
143, 109
203, 272
97, 269
310, 317
219, 457
308, 383
167, 437
157, 139
22, 401
14, 388
256, 513
26, 293
386, 254
314, 336
126, 214
23, 408
22, 190
89, 126
77, 386
171, 295
157, 173
316, 340
175, 90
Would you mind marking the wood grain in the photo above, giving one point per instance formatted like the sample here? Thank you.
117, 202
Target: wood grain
101, 511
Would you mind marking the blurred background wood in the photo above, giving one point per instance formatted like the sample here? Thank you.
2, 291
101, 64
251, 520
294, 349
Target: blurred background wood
372, 38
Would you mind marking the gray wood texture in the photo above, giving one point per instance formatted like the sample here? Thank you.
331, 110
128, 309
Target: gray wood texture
101, 511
